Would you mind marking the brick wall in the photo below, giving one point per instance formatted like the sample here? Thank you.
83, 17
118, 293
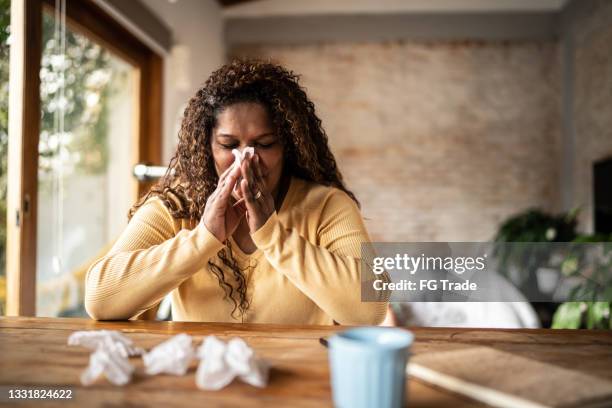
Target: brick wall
591, 34
439, 141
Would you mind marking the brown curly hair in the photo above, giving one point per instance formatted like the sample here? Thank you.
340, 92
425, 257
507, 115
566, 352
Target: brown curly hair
191, 175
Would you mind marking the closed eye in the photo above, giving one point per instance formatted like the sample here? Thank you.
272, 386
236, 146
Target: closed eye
228, 146
265, 145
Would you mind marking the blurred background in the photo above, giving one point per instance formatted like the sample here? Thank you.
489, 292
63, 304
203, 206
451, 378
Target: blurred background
451, 120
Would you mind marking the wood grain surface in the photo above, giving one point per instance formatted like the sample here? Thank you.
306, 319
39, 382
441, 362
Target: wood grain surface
34, 353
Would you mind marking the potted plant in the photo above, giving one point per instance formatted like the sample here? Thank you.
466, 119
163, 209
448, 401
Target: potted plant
592, 314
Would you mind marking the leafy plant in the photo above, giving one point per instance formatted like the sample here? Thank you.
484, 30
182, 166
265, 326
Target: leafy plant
593, 314
535, 225
530, 226
583, 310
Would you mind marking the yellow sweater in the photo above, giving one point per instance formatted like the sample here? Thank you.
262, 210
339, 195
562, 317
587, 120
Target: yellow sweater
306, 269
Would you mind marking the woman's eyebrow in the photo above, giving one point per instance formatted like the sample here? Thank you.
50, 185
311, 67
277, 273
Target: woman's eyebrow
255, 138
264, 135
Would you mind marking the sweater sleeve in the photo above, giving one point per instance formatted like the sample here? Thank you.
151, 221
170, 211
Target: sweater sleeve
147, 262
328, 273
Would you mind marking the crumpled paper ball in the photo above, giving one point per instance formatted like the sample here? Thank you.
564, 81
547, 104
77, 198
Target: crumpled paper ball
95, 339
221, 363
114, 366
111, 356
173, 356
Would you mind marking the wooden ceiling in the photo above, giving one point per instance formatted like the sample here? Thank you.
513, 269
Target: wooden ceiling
229, 3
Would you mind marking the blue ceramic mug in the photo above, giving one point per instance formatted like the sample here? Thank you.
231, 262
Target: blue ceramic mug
368, 367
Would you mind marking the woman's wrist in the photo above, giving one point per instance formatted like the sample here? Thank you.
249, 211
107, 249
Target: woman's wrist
218, 235
209, 235
266, 235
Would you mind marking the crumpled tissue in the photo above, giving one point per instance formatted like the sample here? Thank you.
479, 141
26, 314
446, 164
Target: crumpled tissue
112, 350
221, 363
115, 367
173, 356
238, 157
111, 339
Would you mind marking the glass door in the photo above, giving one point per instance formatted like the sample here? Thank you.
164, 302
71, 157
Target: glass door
87, 147
86, 98
5, 18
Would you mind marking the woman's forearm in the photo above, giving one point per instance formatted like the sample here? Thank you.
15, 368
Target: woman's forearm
145, 264
331, 280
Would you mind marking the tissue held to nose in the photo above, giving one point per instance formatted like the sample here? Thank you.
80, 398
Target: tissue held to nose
238, 157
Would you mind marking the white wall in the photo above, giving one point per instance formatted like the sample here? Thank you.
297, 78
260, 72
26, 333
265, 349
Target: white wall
197, 28
268, 8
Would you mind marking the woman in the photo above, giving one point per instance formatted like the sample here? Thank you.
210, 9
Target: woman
276, 239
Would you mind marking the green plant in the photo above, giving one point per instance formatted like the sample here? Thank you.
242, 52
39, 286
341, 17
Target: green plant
583, 308
530, 226
591, 314
534, 225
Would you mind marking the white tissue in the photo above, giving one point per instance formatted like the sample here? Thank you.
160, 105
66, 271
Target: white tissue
221, 363
238, 157
171, 357
115, 367
249, 368
213, 372
112, 350
110, 339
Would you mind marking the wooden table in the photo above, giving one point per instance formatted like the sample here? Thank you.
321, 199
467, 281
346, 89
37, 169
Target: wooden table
34, 353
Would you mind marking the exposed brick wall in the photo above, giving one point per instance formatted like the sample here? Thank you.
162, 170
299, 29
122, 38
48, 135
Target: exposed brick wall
440, 141
592, 104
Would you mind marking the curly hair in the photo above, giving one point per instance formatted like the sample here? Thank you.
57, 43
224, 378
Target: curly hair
191, 176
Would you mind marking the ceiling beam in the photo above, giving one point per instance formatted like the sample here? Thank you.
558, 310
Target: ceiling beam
230, 3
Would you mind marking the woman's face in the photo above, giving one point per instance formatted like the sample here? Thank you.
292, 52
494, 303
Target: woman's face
248, 124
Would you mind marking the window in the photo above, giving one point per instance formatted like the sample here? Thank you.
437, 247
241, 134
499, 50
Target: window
70, 181
85, 158
5, 16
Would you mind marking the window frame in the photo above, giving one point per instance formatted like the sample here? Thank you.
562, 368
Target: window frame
87, 18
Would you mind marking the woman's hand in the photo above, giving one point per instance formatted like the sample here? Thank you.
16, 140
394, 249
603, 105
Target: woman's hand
219, 217
258, 200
